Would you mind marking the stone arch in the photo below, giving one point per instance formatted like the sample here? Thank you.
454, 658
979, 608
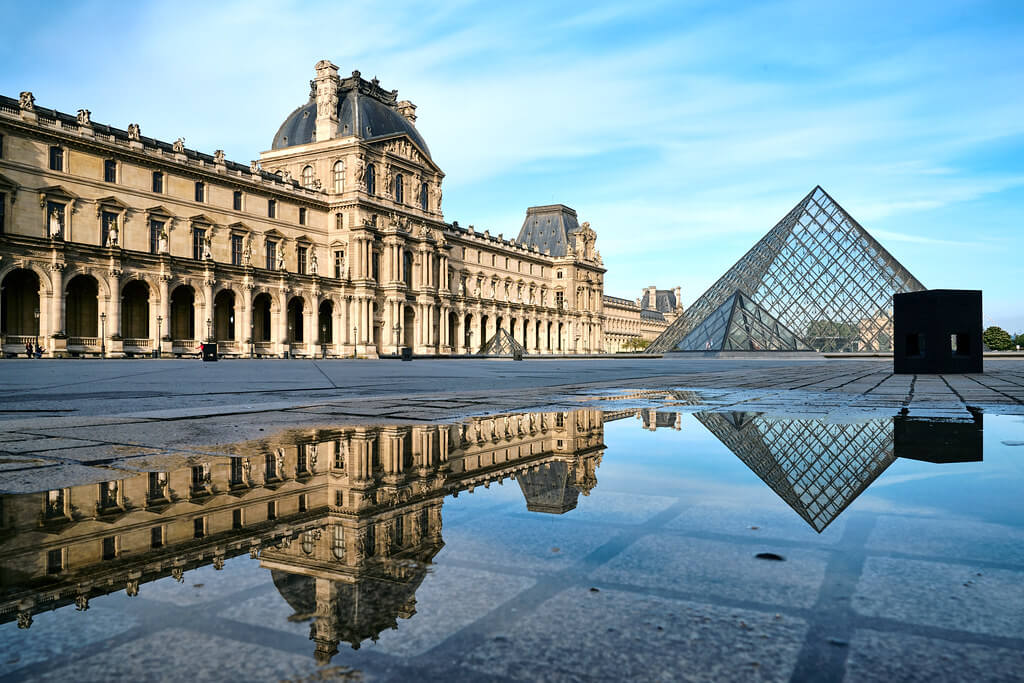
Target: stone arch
82, 291
22, 294
103, 285
44, 275
183, 307
264, 308
136, 304
226, 303
298, 307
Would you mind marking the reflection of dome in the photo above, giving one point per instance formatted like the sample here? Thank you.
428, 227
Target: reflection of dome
549, 489
360, 113
298, 591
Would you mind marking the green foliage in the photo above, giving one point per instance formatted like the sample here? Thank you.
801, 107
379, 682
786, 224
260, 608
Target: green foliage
635, 344
997, 339
1019, 340
830, 336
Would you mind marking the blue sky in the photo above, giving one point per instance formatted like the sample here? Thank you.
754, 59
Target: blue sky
681, 130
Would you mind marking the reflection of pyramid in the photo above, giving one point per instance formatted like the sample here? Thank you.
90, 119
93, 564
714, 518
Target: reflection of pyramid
818, 468
501, 344
740, 325
819, 274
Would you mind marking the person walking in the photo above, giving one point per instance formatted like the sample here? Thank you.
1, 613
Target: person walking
28, 349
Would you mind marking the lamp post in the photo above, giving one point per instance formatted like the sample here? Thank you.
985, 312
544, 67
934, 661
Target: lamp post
290, 332
355, 330
36, 314
398, 329
576, 344
159, 337
252, 340
103, 335
323, 340
209, 330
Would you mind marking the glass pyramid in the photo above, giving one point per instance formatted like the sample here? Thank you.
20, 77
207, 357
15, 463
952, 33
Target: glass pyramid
740, 325
819, 274
818, 468
501, 344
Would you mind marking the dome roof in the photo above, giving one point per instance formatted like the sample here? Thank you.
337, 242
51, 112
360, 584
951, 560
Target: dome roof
364, 110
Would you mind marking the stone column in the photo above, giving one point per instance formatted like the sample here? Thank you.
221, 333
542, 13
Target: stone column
208, 306
282, 321
165, 312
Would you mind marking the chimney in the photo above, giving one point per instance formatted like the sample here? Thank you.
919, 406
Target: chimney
651, 294
326, 86
408, 110
678, 291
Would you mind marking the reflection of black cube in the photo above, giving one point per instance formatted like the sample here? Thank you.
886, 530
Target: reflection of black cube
209, 351
938, 442
517, 355
406, 353
937, 331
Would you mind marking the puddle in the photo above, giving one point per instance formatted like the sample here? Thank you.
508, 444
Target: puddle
582, 544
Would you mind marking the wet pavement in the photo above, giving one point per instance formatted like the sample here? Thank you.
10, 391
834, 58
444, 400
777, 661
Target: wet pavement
707, 521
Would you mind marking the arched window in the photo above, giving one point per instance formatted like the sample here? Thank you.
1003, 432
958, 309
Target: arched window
423, 196
339, 177
399, 189
338, 543
371, 180
307, 177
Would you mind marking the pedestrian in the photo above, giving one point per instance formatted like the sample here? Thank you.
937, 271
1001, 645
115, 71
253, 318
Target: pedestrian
39, 350
28, 349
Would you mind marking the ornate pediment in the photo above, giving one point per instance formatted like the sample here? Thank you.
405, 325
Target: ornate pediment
403, 147
159, 210
239, 226
110, 202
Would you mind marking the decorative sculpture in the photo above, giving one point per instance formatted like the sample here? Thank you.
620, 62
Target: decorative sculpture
27, 101
218, 156
207, 250
134, 133
247, 252
179, 146
162, 246
56, 225
254, 167
112, 235
83, 117
313, 266
280, 260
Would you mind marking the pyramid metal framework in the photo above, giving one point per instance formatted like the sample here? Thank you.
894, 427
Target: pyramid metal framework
501, 344
818, 468
818, 273
740, 325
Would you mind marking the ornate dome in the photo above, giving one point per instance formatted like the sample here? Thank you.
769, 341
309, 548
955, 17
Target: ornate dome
364, 109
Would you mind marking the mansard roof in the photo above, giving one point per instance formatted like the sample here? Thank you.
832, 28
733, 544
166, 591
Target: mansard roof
664, 300
547, 229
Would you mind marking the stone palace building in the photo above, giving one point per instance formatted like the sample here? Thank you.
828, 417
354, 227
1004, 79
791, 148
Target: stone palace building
332, 243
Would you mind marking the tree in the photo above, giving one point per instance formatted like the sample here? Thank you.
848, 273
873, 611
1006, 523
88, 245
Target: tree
830, 336
1019, 340
635, 344
997, 339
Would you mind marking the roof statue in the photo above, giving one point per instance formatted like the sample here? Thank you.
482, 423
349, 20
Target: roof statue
818, 275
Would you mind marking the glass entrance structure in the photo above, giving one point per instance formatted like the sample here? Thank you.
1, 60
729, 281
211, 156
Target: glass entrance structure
817, 274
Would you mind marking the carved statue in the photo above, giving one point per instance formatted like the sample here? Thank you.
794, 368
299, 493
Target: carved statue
56, 225
207, 251
387, 179
361, 172
218, 156
131, 588
462, 287
254, 167
133, 131
313, 267
247, 251
280, 260
286, 176
112, 235
83, 117
162, 245
27, 101
437, 195
81, 602
179, 146
178, 574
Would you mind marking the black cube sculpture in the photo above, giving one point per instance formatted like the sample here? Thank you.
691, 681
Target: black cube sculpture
937, 331
939, 441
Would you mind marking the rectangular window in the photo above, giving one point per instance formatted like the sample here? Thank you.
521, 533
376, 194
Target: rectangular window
303, 253
56, 158
339, 221
236, 250
236, 471
198, 239
109, 171
376, 266
158, 182
559, 299
272, 510
110, 547
1, 146
236, 200
339, 499
339, 259
271, 255
271, 467
339, 456
55, 561
302, 215
108, 220
301, 466
157, 485
200, 191
3, 211
199, 527
271, 208
236, 519
155, 228
302, 502
156, 537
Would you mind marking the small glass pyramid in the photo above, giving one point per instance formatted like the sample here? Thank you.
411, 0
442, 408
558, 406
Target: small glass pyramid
502, 344
819, 274
740, 325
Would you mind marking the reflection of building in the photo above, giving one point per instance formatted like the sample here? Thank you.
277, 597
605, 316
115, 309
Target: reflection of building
630, 323
333, 242
816, 280
346, 519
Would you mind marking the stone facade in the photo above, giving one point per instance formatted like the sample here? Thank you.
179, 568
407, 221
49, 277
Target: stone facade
332, 243
643, 320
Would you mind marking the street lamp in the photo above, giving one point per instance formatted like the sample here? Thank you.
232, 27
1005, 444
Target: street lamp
576, 344
252, 339
355, 331
36, 314
323, 340
159, 338
103, 335
209, 330
398, 328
